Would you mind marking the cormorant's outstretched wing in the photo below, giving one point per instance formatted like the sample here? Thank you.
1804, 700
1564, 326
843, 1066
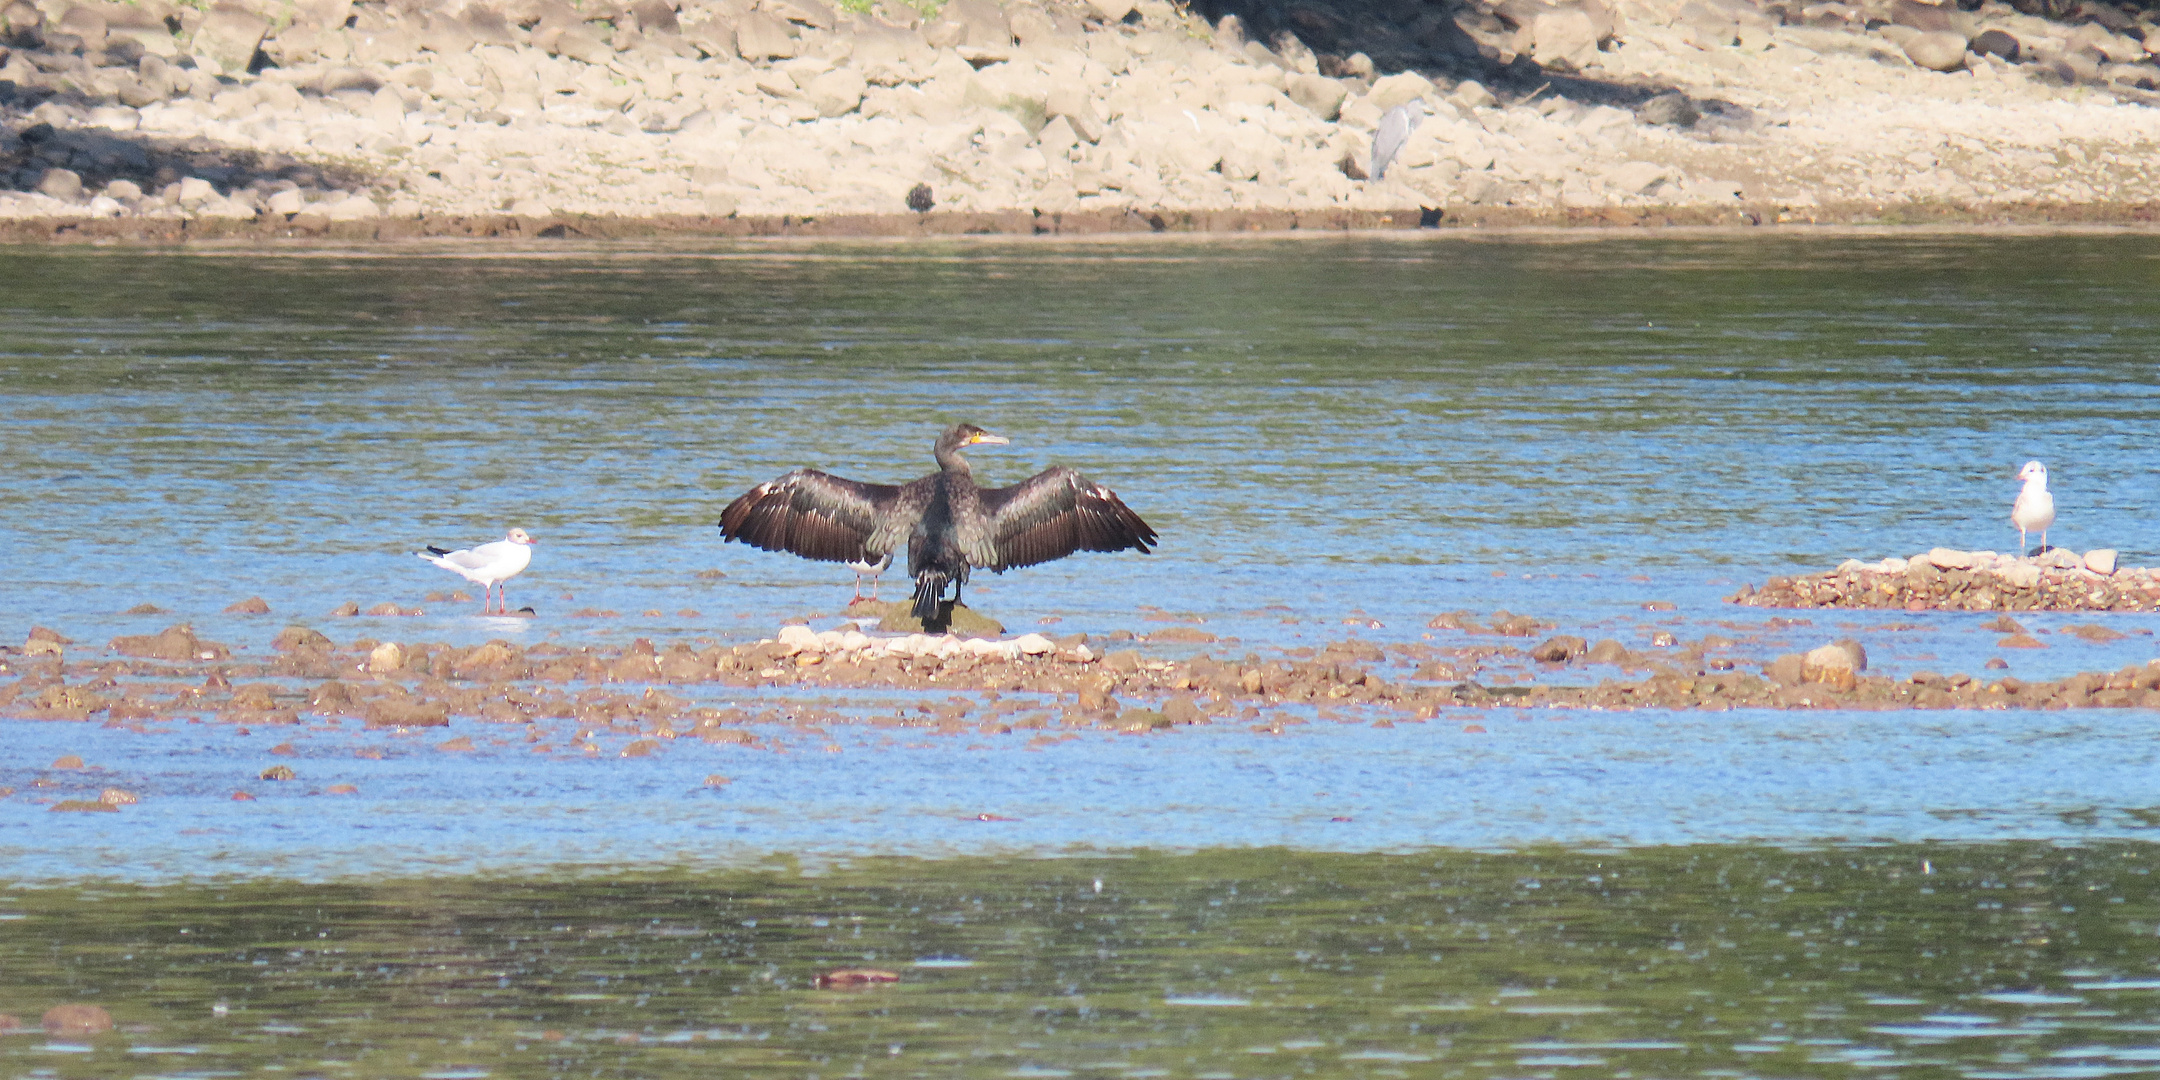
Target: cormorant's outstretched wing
821, 516
1056, 512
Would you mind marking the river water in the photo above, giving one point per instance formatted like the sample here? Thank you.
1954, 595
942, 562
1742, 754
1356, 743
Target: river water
1335, 436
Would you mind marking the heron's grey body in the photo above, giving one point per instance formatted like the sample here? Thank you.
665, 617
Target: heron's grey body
1393, 132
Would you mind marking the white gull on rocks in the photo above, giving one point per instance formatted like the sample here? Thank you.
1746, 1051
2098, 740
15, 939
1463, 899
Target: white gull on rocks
2034, 510
488, 565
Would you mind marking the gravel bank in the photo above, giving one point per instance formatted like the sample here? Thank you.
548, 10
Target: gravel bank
1945, 579
539, 118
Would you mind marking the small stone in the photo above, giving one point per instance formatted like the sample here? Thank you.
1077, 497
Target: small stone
300, 639
1996, 663
1560, 649
386, 658
461, 744
346, 610
1111, 11
76, 1019
341, 789
1787, 670
1831, 666
1997, 43
717, 780
83, 806
386, 608
353, 207
1471, 94
1664, 639
2100, 560
641, 748
113, 796
1670, 110
1940, 51
2020, 641
253, 605
919, 199
1948, 559
144, 609
277, 772
1607, 651
68, 761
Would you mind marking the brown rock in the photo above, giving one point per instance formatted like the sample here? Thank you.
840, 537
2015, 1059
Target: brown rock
68, 761
300, 639
1183, 710
174, 643
2020, 641
457, 745
144, 609
83, 806
346, 610
341, 789
641, 748
2095, 633
277, 772
76, 1018
1560, 649
1787, 670
394, 712
113, 796
253, 605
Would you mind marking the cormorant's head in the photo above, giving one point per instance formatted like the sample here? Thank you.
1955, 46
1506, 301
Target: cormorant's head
964, 435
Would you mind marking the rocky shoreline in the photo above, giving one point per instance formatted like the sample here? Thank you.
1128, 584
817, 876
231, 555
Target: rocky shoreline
1945, 579
259, 119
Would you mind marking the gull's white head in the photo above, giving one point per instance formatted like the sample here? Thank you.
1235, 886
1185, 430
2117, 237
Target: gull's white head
2034, 474
517, 536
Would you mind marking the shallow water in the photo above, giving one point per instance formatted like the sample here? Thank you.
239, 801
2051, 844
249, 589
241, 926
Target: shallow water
1988, 961
1335, 437
1354, 425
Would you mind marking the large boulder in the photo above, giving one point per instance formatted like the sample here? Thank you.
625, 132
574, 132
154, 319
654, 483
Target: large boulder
1322, 95
1566, 37
759, 36
229, 36
837, 92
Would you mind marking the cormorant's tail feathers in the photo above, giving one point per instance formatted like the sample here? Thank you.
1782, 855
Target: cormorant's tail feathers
929, 591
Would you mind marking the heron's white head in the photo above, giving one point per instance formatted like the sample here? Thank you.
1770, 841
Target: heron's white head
517, 536
2034, 474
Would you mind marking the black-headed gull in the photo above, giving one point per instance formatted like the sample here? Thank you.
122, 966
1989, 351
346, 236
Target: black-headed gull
871, 568
488, 565
2034, 509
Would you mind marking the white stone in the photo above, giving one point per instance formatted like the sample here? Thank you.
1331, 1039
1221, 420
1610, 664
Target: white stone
2098, 560
800, 639
1033, 644
1943, 50
1949, 558
354, 207
2021, 575
289, 201
1399, 89
195, 190
530, 207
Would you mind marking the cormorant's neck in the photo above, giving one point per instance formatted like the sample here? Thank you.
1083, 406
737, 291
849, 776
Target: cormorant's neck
949, 460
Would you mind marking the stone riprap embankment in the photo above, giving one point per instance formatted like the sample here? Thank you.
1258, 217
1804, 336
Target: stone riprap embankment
417, 116
1945, 579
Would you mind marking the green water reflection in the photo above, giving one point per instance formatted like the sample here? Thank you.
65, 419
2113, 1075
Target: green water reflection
2009, 960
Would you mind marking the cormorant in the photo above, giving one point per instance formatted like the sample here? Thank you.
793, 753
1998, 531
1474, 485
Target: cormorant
949, 524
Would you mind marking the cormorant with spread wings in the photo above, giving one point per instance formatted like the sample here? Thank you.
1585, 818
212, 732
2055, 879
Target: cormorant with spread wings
949, 524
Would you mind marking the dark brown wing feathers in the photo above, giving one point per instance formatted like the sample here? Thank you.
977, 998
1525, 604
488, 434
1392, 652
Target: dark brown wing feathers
812, 514
1056, 512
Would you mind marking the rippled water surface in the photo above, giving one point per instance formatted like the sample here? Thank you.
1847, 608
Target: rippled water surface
1335, 437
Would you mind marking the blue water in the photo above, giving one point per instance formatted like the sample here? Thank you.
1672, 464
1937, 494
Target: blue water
1321, 430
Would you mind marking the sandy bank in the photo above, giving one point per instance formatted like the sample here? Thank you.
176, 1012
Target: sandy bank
265, 118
